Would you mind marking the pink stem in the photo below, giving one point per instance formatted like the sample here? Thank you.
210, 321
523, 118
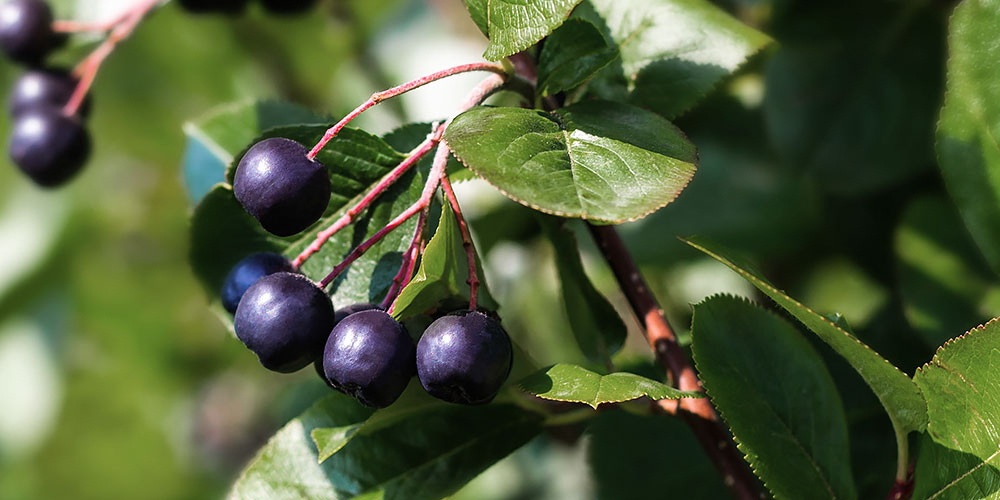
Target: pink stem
470, 249
437, 171
406, 267
419, 152
479, 93
87, 70
402, 89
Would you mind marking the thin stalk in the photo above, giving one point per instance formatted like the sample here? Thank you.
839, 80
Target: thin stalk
399, 90
406, 267
87, 70
480, 92
433, 180
470, 249
414, 157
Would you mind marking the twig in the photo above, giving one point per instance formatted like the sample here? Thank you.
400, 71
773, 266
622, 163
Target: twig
480, 92
87, 70
402, 277
414, 157
399, 90
697, 413
470, 249
437, 171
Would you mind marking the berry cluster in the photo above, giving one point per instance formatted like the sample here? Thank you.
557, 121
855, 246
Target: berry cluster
49, 141
237, 6
289, 321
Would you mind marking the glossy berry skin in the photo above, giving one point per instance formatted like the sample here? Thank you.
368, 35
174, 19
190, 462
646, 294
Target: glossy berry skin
282, 188
219, 6
246, 272
288, 6
369, 356
48, 146
26, 30
44, 87
284, 318
464, 358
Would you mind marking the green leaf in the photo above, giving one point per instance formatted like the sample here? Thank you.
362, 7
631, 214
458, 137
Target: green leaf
673, 52
477, 11
897, 392
598, 328
777, 396
515, 25
967, 147
945, 474
575, 384
213, 139
222, 233
943, 280
443, 273
625, 451
596, 160
851, 98
426, 454
572, 55
960, 384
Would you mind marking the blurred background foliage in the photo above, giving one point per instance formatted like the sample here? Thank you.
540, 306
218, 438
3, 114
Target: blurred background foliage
117, 382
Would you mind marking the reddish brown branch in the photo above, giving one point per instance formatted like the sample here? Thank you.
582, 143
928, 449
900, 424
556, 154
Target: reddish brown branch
697, 413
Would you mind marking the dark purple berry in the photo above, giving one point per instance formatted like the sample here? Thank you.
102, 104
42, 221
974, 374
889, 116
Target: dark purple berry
246, 272
369, 356
284, 318
288, 6
26, 30
44, 87
282, 188
464, 358
49, 146
219, 6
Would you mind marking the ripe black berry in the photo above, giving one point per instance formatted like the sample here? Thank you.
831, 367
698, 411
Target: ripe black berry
284, 318
44, 87
48, 146
246, 272
464, 358
220, 6
369, 356
288, 6
26, 30
281, 187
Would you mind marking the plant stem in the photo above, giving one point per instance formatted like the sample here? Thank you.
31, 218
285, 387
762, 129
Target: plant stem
415, 156
902, 487
470, 249
437, 171
480, 92
399, 90
402, 277
697, 413
87, 70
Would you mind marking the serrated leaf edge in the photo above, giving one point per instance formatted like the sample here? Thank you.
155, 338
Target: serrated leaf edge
748, 456
746, 275
568, 215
